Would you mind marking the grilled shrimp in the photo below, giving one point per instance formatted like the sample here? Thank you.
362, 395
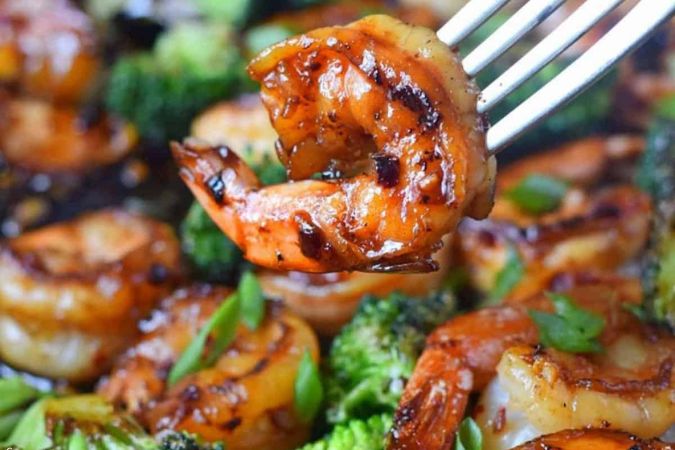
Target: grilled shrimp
328, 301
245, 400
70, 293
242, 124
379, 100
630, 387
48, 49
599, 227
43, 137
593, 439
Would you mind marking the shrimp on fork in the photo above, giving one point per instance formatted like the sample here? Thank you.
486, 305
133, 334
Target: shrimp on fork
409, 155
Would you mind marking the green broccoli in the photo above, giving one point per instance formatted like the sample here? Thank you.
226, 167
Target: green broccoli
374, 355
656, 176
356, 434
213, 256
191, 66
245, 12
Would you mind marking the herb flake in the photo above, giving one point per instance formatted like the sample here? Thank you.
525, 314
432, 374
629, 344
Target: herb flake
571, 329
308, 389
538, 194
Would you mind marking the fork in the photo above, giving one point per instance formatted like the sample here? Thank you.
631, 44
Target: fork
632, 30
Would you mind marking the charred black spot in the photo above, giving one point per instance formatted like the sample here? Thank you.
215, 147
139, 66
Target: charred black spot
606, 212
216, 187
90, 115
259, 366
538, 351
158, 274
311, 237
314, 66
279, 255
332, 116
190, 393
376, 75
231, 424
388, 170
483, 122
417, 101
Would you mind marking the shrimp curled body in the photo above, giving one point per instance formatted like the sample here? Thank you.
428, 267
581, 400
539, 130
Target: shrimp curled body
384, 107
71, 293
245, 400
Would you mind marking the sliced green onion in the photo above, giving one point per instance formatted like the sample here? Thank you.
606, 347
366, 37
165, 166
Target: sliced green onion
223, 325
252, 301
508, 277
15, 392
469, 436
308, 389
31, 431
571, 329
538, 194
77, 441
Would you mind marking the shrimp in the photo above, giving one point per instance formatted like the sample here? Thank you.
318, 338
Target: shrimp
245, 400
242, 124
630, 387
328, 301
43, 137
380, 100
603, 228
590, 439
48, 48
70, 293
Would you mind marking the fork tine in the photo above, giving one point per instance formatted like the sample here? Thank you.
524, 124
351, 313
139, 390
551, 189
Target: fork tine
471, 16
578, 23
634, 28
525, 19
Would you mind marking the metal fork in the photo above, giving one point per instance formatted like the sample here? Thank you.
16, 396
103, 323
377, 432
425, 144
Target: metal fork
636, 26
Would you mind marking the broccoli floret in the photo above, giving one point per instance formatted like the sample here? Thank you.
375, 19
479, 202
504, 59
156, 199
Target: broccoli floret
375, 354
190, 67
214, 257
78, 422
177, 440
244, 12
656, 176
356, 434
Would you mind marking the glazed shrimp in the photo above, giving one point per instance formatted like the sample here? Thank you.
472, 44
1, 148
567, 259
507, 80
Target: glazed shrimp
242, 124
43, 137
71, 293
48, 48
592, 439
635, 376
603, 228
245, 400
345, 101
328, 301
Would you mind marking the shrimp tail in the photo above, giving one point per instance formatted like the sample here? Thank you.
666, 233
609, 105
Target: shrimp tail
433, 402
218, 178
